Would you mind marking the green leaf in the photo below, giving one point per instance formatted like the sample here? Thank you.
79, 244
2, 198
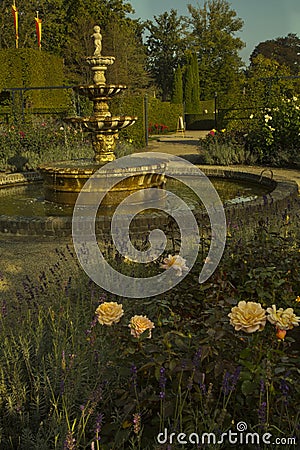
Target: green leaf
248, 387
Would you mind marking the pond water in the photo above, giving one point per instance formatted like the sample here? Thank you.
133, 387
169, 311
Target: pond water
29, 200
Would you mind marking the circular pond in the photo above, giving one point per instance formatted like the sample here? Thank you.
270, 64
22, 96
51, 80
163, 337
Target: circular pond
24, 211
29, 201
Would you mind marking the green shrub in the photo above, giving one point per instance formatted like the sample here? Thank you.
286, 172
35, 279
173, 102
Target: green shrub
274, 134
225, 148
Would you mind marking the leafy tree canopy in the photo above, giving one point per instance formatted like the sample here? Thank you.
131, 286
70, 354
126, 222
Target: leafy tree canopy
213, 30
267, 81
165, 45
284, 50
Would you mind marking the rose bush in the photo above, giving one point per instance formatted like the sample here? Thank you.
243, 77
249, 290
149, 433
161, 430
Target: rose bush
273, 135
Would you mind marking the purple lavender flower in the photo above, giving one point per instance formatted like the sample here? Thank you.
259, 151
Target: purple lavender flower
133, 371
92, 325
235, 377
70, 443
284, 388
197, 358
68, 286
265, 199
96, 395
203, 388
226, 383
230, 381
162, 383
262, 414
99, 422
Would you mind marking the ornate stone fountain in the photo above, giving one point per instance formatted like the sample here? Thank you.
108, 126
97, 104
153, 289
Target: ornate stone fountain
64, 180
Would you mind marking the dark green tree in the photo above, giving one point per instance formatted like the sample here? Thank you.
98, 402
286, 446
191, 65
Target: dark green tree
166, 45
130, 54
177, 95
284, 50
266, 82
192, 88
214, 29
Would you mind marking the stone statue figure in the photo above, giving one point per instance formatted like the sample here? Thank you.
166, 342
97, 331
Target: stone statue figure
97, 40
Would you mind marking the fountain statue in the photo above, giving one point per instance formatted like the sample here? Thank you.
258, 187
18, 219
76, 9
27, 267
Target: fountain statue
65, 179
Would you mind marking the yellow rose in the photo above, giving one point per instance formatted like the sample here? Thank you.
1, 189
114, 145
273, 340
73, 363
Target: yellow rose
248, 317
109, 313
284, 319
139, 324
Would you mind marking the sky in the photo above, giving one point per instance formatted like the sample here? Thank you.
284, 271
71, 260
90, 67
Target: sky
263, 19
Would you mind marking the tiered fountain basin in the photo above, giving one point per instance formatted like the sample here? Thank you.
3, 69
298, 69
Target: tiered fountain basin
35, 216
99, 91
65, 179
108, 124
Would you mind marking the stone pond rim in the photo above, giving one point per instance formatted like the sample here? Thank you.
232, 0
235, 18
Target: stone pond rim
284, 193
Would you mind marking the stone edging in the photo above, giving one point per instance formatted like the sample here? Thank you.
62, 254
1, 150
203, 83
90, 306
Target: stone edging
284, 191
7, 180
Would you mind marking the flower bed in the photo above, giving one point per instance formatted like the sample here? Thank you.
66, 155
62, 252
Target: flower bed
91, 370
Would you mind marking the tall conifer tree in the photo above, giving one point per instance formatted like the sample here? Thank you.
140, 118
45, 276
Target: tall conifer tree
177, 96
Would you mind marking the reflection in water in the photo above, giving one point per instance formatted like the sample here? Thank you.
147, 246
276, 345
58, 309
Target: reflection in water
29, 200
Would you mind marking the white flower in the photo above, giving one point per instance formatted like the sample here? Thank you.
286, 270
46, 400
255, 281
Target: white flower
175, 262
251, 116
267, 118
295, 98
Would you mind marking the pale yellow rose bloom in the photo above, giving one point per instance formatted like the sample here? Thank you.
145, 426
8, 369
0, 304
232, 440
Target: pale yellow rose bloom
284, 319
176, 262
248, 317
139, 324
109, 313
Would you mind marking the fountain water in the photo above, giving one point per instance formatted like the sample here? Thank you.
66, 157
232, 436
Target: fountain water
65, 179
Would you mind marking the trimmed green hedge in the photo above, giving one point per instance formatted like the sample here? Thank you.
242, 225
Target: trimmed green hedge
161, 113
25, 68
199, 122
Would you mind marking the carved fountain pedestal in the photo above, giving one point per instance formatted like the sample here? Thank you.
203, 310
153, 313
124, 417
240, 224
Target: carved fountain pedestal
64, 180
